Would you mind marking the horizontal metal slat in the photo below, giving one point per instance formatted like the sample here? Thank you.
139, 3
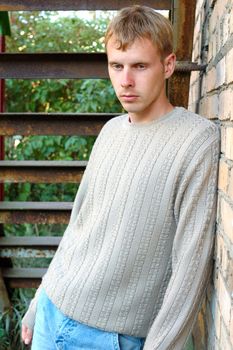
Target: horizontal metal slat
25, 273
84, 124
29, 242
64, 65
28, 247
23, 277
37, 5
35, 205
35, 212
43, 163
41, 171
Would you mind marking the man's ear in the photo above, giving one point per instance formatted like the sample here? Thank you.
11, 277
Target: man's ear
169, 65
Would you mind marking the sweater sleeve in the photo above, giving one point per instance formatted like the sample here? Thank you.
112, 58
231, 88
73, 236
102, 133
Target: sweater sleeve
192, 250
29, 317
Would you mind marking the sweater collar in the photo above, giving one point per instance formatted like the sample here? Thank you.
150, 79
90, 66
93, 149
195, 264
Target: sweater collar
129, 124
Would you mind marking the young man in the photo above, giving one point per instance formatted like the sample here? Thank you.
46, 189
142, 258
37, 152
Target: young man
134, 262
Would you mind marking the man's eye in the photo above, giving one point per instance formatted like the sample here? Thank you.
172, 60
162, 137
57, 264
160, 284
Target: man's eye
117, 66
141, 66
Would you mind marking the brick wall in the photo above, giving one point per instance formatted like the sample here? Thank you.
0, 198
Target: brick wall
211, 95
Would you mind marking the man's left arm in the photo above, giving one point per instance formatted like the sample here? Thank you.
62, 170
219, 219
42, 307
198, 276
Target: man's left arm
192, 250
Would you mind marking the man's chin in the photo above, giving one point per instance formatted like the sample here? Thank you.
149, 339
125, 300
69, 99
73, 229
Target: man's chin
131, 108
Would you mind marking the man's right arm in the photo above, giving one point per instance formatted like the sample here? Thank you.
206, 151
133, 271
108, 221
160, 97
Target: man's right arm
28, 320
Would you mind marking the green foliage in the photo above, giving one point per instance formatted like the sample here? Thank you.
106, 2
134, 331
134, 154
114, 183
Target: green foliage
98, 96
49, 147
34, 230
65, 95
10, 321
48, 32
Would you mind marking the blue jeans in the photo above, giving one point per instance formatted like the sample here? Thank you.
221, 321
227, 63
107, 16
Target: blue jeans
55, 331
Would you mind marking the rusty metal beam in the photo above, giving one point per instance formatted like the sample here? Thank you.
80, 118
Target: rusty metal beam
64, 65
53, 123
38, 5
23, 283
35, 212
53, 65
41, 171
27, 216
188, 66
183, 18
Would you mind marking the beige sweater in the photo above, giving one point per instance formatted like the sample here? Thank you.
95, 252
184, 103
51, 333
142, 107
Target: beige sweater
136, 255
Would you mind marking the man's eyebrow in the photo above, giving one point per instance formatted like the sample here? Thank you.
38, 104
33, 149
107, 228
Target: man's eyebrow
132, 63
140, 62
113, 62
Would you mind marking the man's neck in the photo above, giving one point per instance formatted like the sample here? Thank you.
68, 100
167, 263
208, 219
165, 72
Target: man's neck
135, 118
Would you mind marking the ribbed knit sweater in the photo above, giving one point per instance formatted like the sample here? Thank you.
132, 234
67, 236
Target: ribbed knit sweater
136, 255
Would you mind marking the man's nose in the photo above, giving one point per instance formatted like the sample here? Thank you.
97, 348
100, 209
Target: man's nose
127, 78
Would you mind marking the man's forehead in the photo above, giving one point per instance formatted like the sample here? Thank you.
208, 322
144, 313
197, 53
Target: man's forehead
115, 40
139, 42
134, 52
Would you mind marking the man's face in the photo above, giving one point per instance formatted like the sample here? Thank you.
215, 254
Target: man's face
137, 75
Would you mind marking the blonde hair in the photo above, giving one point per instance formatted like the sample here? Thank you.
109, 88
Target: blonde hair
138, 22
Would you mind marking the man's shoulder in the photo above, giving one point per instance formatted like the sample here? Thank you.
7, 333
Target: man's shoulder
116, 120
200, 123
113, 122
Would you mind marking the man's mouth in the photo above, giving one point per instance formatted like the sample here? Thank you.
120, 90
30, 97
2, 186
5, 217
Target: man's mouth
128, 97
